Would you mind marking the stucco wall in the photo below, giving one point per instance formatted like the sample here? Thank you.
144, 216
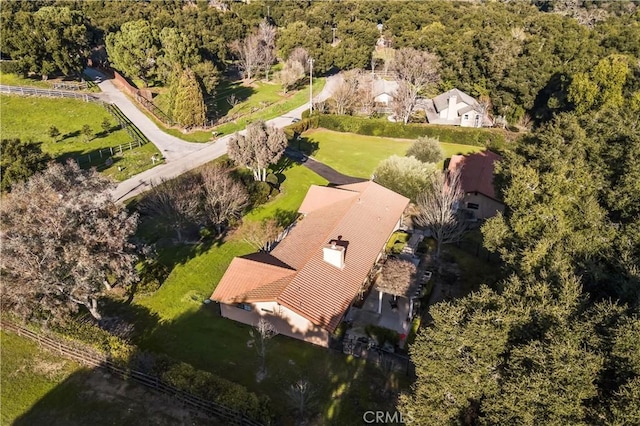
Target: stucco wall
471, 121
285, 321
487, 207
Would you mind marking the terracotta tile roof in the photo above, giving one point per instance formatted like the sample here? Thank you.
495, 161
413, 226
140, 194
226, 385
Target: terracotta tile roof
477, 172
361, 216
246, 275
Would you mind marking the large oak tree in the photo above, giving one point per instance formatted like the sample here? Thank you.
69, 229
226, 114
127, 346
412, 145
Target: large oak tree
65, 243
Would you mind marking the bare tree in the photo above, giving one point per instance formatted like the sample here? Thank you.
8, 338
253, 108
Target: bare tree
264, 331
364, 95
261, 235
291, 73
438, 209
65, 243
417, 69
344, 96
397, 276
267, 37
175, 203
403, 101
224, 197
300, 55
258, 148
300, 395
248, 51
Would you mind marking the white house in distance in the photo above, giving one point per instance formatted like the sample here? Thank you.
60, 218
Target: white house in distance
456, 108
384, 91
306, 284
476, 173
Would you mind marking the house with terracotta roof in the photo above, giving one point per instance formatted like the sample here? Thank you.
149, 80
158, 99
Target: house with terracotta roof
455, 108
476, 172
306, 284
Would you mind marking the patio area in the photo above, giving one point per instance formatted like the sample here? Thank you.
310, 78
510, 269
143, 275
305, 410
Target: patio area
393, 318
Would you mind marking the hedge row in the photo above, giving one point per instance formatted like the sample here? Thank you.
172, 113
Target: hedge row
175, 373
491, 138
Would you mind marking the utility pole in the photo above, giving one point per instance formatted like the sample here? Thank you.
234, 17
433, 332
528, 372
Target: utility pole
310, 61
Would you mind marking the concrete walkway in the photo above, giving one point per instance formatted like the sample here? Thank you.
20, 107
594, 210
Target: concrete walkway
181, 156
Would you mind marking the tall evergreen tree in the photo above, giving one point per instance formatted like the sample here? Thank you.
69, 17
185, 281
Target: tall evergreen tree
189, 108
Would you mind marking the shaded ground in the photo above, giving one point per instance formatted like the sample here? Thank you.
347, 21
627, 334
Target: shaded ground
39, 387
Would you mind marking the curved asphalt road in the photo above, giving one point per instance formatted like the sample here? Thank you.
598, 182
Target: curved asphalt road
180, 156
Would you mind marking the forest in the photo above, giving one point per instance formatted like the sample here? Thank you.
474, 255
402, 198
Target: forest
519, 55
555, 341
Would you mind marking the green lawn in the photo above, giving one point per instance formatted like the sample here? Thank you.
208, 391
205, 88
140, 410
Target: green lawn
39, 387
17, 80
257, 97
359, 155
175, 321
29, 118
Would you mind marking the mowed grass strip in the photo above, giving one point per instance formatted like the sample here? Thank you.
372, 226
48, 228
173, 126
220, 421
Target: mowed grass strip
29, 119
359, 155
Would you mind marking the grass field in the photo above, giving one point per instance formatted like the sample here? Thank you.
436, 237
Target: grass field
359, 155
176, 322
39, 387
17, 80
29, 118
253, 98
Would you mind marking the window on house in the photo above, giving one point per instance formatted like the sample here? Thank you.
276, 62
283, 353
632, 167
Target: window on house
466, 116
473, 206
266, 310
244, 306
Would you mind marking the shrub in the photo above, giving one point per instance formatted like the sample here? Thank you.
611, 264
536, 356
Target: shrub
382, 335
427, 150
259, 193
272, 180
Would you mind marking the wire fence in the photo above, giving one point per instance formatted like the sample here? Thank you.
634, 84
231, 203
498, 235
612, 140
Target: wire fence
94, 359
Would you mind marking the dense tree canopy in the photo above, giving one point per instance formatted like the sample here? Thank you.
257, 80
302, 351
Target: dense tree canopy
64, 243
46, 41
522, 56
19, 161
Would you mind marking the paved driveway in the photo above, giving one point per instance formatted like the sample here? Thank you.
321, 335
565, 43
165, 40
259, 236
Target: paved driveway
180, 156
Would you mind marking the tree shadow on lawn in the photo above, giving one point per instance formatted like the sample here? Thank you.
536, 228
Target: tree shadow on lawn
98, 158
344, 387
69, 135
304, 144
224, 92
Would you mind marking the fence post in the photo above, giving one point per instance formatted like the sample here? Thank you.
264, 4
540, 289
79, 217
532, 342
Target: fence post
111, 149
100, 153
130, 145
120, 148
